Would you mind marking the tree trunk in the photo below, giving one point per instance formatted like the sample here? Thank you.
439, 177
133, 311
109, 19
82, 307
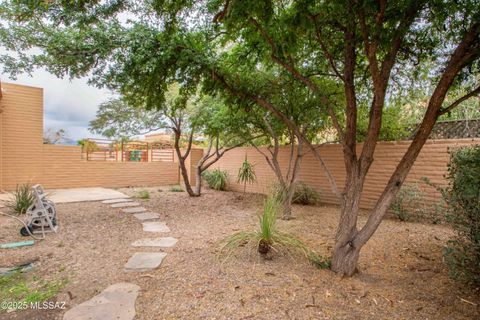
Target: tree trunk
287, 202
198, 181
345, 258
186, 181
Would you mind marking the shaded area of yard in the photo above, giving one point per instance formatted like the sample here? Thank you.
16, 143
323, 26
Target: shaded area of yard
402, 275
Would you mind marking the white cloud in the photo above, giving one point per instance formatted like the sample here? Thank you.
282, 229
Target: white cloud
68, 105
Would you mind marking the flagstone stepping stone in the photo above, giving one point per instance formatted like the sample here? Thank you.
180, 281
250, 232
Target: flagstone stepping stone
143, 261
115, 302
116, 201
146, 215
125, 204
155, 226
134, 210
156, 242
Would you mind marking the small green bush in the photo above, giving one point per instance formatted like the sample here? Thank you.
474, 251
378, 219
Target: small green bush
408, 204
143, 194
23, 198
462, 253
176, 189
216, 179
305, 195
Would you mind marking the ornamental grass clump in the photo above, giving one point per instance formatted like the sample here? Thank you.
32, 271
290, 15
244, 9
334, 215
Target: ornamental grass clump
216, 179
305, 195
23, 198
268, 239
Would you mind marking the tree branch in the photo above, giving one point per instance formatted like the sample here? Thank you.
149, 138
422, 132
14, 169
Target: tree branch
459, 101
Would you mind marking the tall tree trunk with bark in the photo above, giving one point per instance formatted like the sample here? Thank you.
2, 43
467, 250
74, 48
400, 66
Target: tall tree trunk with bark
182, 160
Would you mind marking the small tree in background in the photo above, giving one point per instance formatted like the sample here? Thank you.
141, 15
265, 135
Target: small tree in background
246, 174
463, 195
51, 136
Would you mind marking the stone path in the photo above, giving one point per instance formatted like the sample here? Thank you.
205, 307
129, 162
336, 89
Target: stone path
144, 261
155, 242
155, 226
117, 302
146, 215
125, 204
134, 210
116, 201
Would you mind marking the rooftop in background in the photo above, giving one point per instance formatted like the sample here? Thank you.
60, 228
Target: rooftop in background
165, 138
455, 129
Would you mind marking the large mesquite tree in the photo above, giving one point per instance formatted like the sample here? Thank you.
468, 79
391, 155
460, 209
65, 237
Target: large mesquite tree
370, 49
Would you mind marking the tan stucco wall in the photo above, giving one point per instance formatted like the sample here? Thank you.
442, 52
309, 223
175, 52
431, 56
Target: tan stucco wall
21, 137
25, 159
432, 163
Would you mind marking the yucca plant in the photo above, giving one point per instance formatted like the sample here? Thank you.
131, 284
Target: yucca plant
246, 174
268, 238
216, 179
23, 198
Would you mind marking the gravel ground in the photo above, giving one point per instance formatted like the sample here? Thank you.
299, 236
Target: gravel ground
402, 275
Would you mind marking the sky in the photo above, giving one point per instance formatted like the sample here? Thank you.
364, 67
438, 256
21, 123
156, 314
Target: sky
68, 105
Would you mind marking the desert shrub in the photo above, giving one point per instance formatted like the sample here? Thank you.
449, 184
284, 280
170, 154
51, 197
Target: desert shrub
143, 194
216, 179
246, 174
305, 195
23, 198
176, 189
408, 204
267, 238
462, 254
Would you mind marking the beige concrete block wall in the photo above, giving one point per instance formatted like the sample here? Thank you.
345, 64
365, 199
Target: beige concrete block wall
194, 157
25, 159
431, 163
63, 168
21, 134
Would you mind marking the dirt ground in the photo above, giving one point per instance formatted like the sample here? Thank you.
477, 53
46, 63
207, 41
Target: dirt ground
402, 275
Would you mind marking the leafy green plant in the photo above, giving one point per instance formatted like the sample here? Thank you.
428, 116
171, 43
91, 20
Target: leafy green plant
176, 189
305, 195
246, 174
143, 194
216, 179
268, 238
408, 204
23, 198
462, 253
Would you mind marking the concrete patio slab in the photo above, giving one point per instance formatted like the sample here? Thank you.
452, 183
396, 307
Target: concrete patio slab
115, 302
167, 242
116, 201
125, 204
147, 215
134, 210
155, 226
143, 261
75, 195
